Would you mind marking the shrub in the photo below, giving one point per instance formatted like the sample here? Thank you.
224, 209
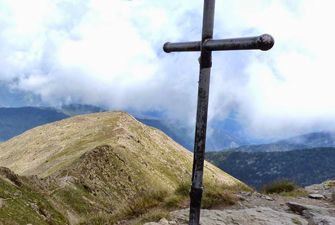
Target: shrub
176, 201
183, 189
142, 202
213, 195
279, 186
329, 184
217, 196
296, 221
154, 215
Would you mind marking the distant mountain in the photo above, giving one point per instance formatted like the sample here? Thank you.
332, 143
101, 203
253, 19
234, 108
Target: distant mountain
14, 121
180, 135
223, 134
273, 147
306, 141
312, 140
305, 166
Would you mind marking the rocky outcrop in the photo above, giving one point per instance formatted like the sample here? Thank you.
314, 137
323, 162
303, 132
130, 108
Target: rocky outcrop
251, 216
258, 209
326, 189
314, 214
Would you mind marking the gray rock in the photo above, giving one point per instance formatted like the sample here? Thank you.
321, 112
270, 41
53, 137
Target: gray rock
314, 214
251, 216
296, 207
246, 193
326, 188
164, 221
241, 198
299, 208
316, 196
269, 198
321, 220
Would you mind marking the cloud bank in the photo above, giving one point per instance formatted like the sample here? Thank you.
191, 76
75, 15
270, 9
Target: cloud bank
109, 53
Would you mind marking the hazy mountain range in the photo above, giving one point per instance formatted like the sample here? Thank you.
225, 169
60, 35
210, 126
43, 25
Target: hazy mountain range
225, 135
14, 121
304, 166
253, 164
306, 141
306, 159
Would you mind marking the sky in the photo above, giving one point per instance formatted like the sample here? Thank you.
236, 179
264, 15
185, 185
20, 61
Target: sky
109, 53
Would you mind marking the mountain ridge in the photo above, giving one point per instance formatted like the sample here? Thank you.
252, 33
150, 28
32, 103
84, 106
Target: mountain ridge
99, 165
224, 133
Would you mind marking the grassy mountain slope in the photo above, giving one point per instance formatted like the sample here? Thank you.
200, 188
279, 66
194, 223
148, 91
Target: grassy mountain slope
102, 164
305, 166
22, 204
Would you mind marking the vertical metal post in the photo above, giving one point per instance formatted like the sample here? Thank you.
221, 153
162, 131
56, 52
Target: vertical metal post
202, 109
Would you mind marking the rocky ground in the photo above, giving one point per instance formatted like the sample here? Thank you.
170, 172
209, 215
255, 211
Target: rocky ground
316, 208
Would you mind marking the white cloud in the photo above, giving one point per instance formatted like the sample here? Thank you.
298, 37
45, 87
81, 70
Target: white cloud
110, 53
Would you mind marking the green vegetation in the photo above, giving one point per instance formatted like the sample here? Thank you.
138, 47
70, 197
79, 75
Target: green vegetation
305, 166
296, 221
183, 189
74, 198
154, 215
217, 196
214, 195
284, 187
23, 205
26, 205
144, 201
279, 186
329, 184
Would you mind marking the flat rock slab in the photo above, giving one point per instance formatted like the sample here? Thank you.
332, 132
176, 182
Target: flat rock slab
300, 208
251, 216
314, 214
316, 196
326, 189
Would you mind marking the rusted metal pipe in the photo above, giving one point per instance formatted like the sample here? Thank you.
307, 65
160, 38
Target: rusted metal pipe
182, 47
202, 111
263, 42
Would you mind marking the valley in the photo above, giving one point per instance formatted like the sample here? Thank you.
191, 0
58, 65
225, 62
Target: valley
303, 166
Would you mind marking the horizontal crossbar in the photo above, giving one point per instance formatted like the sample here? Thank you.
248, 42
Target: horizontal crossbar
263, 42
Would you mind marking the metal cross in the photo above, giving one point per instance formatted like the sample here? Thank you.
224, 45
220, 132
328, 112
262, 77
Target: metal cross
206, 46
